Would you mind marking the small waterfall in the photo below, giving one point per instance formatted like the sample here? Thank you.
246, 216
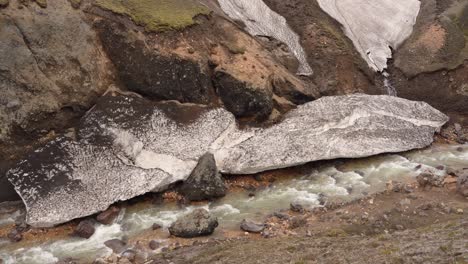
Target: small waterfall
388, 85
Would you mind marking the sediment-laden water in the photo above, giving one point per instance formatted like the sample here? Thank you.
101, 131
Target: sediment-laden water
343, 180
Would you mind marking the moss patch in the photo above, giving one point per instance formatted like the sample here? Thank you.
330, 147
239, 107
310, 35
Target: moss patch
156, 15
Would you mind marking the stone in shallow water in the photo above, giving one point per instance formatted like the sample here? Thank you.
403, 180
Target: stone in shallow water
374, 25
127, 146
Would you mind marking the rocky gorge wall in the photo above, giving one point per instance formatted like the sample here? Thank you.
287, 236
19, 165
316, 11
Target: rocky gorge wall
58, 57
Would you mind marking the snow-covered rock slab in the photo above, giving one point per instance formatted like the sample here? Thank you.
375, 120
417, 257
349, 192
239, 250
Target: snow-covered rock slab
374, 25
260, 20
331, 127
127, 146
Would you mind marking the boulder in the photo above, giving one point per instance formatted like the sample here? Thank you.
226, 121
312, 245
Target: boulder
430, 179
117, 245
108, 216
197, 223
251, 227
149, 72
127, 146
374, 27
153, 244
242, 98
462, 184
85, 229
205, 182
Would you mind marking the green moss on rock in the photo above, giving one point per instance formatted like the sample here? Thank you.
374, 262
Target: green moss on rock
4, 3
156, 15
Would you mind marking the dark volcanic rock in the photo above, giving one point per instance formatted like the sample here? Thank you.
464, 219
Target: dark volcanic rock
205, 182
148, 72
117, 245
251, 227
85, 229
197, 223
108, 216
241, 98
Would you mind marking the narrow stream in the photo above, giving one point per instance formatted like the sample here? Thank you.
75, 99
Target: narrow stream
336, 180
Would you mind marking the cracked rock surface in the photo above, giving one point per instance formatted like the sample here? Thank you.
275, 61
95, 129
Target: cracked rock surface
126, 146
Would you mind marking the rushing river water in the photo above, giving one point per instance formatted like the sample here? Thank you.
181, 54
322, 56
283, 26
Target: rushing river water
338, 180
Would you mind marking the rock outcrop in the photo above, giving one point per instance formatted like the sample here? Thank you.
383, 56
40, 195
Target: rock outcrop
197, 223
374, 26
205, 182
51, 61
127, 146
439, 40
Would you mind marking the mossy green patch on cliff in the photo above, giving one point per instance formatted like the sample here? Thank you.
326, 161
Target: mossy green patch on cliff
156, 15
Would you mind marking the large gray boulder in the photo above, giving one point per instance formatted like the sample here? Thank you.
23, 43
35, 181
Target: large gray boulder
127, 146
197, 223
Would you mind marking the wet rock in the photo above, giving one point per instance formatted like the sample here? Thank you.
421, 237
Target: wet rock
116, 245
197, 223
241, 98
129, 254
429, 179
281, 216
85, 229
146, 71
153, 244
15, 235
296, 207
108, 216
205, 182
462, 184
251, 227
156, 226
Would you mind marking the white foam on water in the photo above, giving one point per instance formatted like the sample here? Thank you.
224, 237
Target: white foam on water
346, 180
74, 247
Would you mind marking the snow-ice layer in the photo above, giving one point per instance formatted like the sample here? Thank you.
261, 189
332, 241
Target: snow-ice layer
374, 25
127, 146
260, 20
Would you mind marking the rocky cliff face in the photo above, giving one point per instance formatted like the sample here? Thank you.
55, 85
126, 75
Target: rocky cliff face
59, 57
